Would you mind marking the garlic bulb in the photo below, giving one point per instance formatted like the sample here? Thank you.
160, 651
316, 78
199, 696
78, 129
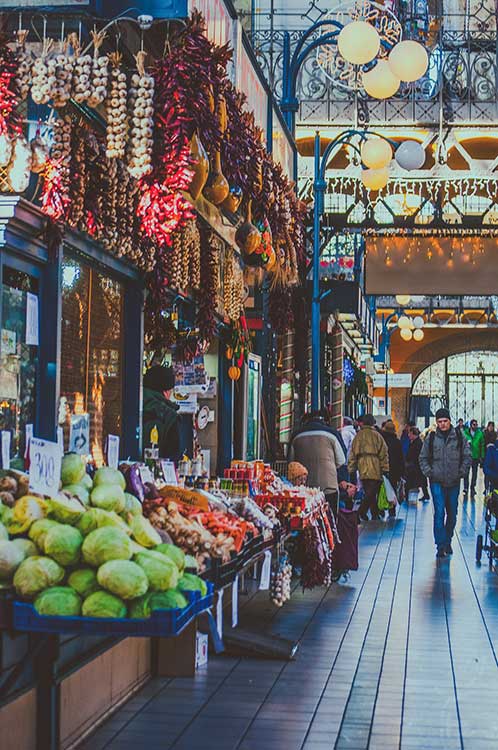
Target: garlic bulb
5, 149
19, 168
61, 148
41, 84
23, 75
116, 111
100, 72
60, 89
233, 287
141, 109
82, 73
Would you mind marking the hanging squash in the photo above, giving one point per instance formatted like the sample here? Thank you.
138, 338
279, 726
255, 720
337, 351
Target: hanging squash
234, 372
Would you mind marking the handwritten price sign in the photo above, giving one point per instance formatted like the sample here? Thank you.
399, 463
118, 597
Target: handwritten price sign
45, 467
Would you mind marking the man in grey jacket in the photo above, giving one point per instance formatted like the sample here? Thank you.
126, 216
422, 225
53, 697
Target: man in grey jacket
445, 459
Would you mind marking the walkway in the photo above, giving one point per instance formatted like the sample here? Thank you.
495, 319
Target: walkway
401, 657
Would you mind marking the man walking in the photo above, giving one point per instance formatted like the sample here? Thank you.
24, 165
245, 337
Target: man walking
445, 458
369, 456
475, 438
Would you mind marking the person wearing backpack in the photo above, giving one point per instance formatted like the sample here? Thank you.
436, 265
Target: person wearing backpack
445, 459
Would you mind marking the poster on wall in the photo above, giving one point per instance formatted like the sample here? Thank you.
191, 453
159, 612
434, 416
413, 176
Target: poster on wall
191, 377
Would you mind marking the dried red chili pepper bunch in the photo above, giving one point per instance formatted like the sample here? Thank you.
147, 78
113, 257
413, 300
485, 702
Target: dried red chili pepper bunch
10, 121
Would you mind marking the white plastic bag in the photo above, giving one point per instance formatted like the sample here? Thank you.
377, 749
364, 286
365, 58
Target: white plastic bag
390, 493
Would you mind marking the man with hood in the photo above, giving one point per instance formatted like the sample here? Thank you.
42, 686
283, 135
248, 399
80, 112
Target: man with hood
369, 457
160, 412
348, 433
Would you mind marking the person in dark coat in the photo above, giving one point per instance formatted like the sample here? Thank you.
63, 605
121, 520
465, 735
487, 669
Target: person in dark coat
490, 438
413, 473
160, 412
396, 458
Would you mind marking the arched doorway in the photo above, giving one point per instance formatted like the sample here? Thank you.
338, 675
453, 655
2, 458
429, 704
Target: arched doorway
466, 383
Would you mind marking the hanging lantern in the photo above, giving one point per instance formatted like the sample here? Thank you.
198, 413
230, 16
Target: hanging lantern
418, 334
404, 322
376, 153
358, 42
418, 321
403, 299
410, 155
375, 179
408, 60
380, 82
406, 334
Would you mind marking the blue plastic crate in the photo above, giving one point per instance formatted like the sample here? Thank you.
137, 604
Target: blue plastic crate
162, 623
205, 602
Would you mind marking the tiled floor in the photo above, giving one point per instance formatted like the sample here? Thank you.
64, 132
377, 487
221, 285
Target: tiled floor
400, 657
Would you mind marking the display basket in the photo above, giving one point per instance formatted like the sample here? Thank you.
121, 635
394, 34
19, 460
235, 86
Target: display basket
164, 623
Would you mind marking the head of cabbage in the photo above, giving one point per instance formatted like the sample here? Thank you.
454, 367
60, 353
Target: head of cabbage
103, 604
132, 505
104, 544
161, 572
123, 578
27, 547
58, 601
4, 534
95, 518
108, 497
25, 512
77, 490
66, 509
39, 530
191, 582
156, 600
84, 581
143, 532
72, 469
36, 574
174, 553
108, 475
63, 544
11, 556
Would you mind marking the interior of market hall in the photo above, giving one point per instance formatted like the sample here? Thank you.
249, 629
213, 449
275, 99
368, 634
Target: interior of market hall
248, 374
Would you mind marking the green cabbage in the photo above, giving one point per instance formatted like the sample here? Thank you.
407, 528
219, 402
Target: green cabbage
108, 497
84, 581
40, 529
172, 599
86, 482
27, 547
107, 543
124, 578
132, 505
63, 544
11, 556
159, 569
58, 601
36, 574
82, 493
26, 510
96, 518
139, 608
143, 532
190, 582
103, 604
191, 563
73, 469
66, 509
4, 534
175, 554
106, 475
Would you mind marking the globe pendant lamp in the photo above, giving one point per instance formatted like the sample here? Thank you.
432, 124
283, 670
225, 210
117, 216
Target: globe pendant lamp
380, 82
406, 334
404, 322
418, 321
410, 155
408, 61
358, 42
376, 153
418, 334
375, 179
403, 299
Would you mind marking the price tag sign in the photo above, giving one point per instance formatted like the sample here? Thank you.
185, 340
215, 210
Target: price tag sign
145, 474
29, 435
5, 449
32, 319
264, 582
219, 613
169, 473
113, 451
235, 602
44, 467
79, 436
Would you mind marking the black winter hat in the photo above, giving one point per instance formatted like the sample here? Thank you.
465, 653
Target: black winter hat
159, 378
443, 414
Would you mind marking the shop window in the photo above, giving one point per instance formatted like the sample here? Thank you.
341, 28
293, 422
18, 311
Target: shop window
91, 355
18, 359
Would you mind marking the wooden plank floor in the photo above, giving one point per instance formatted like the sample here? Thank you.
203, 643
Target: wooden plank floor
402, 656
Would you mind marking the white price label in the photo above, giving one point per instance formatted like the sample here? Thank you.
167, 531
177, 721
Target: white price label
113, 451
29, 435
32, 319
264, 582
45, 467
169, 472
219, 613
5, 449
60, 439
79, 436
145, 474
235, 602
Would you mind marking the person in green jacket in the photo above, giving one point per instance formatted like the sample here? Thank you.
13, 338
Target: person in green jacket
475, 438
160, 413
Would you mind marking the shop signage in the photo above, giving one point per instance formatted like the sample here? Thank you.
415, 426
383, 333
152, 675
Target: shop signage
169, 473
32, 319
186, 401
113, 451
5, 449
394, 380
45, 467
79, 436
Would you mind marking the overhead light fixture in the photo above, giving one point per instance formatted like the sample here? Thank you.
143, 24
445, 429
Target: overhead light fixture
403, 299
406, 334
408, 60
358, 42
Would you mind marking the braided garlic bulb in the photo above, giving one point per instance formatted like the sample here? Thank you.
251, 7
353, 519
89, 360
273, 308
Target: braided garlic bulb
23, 75
61, 148
62, 65
100, 72
141, 109
82, 71
41, 83
116, 110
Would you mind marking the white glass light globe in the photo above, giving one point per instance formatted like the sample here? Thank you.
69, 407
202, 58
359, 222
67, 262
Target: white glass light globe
410, 155
380, 82
376, 153
418, 334
408, 60
406, 334
403, 299
404, 322
418, 321
375, 179
358, 42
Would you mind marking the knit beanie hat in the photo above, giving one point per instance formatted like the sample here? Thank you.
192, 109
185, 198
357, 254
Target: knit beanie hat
443, 414
159, 378
295, 470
